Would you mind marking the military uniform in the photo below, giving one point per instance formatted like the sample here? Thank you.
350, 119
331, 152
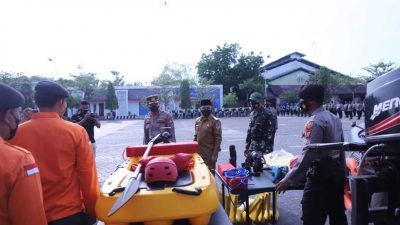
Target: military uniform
323, 171
260, 135
154, 124
208, 134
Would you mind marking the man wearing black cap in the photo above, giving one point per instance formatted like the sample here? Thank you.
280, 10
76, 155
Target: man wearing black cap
64, 156
208, 134
157, 121
87, 120
20, 188
322, 170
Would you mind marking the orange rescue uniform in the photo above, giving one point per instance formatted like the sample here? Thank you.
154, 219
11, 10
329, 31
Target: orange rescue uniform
66, 162
20, 189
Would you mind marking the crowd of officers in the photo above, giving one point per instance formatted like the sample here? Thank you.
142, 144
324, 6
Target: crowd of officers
51, 178
349, 109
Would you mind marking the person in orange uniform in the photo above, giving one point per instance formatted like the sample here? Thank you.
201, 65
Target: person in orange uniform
20, 188
64, 155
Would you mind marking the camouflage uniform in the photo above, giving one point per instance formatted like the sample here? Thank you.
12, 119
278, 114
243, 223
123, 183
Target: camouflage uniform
154, 124
260, 135
208, 134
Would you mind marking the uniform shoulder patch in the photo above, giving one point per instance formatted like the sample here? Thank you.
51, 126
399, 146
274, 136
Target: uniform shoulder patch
308, 130
31, 169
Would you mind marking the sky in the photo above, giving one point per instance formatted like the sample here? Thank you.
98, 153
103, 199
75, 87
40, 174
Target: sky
138, 37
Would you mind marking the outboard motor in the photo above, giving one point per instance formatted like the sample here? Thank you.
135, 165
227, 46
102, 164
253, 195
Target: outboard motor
375, 190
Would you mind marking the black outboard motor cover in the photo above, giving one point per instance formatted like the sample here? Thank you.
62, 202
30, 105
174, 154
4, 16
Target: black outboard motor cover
382, 108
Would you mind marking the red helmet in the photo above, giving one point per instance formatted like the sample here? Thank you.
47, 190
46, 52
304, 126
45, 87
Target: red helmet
160, 169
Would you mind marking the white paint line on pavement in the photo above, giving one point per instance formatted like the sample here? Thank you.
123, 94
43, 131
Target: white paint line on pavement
295, 146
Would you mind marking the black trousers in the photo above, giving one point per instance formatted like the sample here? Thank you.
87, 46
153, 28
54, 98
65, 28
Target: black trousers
323, 194
80, 218
340, 114
359, 113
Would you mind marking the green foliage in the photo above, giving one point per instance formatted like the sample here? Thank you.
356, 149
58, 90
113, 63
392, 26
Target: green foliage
253, 84
111, 98
118, 79
290, 97
87, 82
73, 102
327, 78
20, 82
380, 68
230, 99
174, 74
185, 95
227, 66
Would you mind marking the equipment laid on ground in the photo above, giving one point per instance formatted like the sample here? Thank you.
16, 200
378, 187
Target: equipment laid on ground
193, 196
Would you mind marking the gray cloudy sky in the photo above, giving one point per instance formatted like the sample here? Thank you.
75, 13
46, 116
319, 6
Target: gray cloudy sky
138, 37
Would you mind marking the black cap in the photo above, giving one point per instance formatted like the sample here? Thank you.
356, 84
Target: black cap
152, 98
204, 102
312, 92
10, 98
51, 88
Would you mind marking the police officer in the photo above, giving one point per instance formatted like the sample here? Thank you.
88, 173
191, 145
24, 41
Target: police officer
157, 121
260, 135
20, 188
208, 134
323, 170
64, 155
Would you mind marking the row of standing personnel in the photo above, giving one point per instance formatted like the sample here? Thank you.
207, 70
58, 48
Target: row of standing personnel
68, 177
208, 129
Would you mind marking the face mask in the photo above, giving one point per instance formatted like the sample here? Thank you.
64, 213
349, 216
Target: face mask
254, 105
154, 108
304, 105
205, 112
13, 131
84, 111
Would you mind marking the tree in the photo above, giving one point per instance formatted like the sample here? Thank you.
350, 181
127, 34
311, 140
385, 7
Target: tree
20, 82
227, 66
73, 102
327, 78
230, 99
380, 68
118, 79
174, 74
185, 95
87, 82
111, 98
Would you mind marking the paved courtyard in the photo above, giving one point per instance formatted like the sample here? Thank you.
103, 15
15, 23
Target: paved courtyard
114, 136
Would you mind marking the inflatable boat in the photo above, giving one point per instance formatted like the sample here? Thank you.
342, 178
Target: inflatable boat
194, 195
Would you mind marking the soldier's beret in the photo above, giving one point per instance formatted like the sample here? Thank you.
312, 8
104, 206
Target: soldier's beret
312, 92
152, 98
51, 88
10, 98
205, 102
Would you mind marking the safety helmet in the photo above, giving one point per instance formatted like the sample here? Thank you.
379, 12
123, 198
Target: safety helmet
256, 96
161, 169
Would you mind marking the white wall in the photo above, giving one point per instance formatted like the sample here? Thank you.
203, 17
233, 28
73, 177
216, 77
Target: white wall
133, 107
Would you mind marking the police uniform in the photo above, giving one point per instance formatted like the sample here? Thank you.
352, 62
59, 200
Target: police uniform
261, 131
208, 133
65, 157
322, 170
20, 188
154, 123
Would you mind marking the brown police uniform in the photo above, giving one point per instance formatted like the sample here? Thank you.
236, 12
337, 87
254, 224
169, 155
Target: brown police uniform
154, 124
208, 134
20, 189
